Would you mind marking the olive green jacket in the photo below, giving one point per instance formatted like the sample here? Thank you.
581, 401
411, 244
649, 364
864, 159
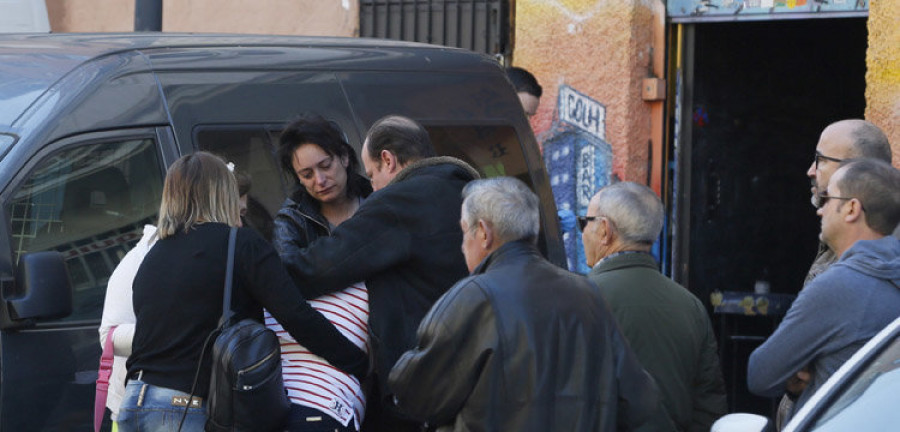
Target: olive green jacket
669, 330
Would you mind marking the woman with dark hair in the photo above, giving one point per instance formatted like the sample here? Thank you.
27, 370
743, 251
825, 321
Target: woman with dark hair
178, 293
329, 189
325, 169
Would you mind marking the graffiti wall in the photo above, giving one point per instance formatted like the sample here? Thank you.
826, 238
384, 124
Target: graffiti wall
590, 56
578, 160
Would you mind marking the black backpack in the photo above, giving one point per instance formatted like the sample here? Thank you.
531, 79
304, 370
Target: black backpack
246, 389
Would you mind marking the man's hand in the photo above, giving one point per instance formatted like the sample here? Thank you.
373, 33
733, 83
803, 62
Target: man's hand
797, 383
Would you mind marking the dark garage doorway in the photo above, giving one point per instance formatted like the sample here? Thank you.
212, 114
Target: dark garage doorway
761, 94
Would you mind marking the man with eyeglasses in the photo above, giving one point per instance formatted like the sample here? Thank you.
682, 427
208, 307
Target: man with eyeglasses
842, 308
667, 326
521, 345
842, 140
839, 141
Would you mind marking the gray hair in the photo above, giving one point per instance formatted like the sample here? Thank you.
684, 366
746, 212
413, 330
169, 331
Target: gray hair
868, 141
876, 185
506, 203
634, 210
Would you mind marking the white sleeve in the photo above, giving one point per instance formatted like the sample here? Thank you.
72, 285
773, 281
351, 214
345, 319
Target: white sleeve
117, 306
122, 339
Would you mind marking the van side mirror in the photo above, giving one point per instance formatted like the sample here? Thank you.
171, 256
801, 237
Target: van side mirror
43, 287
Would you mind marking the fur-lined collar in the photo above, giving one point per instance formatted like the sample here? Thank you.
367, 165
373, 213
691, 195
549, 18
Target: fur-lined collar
407, 171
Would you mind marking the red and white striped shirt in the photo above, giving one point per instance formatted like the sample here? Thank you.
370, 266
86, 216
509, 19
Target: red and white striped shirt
309, 379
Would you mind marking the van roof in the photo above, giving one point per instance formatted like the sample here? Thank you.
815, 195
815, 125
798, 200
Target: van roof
97, 44
31, 63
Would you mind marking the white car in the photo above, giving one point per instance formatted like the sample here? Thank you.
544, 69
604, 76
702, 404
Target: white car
863, 395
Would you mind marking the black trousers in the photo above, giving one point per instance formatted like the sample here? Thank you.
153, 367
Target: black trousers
381, 416
305, 419
106, 425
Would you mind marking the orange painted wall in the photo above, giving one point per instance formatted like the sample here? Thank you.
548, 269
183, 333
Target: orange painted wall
602, 48
883, 70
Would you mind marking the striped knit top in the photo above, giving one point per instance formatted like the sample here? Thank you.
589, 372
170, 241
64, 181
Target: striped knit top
309, 379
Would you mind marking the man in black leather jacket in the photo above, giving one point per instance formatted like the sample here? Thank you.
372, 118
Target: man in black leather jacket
403, 242
521, 345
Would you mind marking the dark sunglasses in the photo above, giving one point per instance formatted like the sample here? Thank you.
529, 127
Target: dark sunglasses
583, 220
824, 197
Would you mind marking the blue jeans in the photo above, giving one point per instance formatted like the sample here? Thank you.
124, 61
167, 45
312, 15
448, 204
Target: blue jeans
149, 408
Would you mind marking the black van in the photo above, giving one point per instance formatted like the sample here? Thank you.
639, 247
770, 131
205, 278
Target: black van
89, 123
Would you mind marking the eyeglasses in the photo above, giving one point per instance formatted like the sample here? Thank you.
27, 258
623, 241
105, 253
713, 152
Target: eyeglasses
824, 197
583, 220
820, 156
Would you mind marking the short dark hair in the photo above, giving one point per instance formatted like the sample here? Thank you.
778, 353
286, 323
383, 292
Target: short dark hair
876, 185
869, 141
524, 81
311, 128
402, 136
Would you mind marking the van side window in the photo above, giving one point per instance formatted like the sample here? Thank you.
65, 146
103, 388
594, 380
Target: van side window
90, 203
493, 150
251, 149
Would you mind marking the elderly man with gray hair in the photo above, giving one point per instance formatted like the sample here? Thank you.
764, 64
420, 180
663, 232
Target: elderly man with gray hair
520, 345
666, 325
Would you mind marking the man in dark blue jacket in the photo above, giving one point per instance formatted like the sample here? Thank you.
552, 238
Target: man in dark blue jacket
403, 242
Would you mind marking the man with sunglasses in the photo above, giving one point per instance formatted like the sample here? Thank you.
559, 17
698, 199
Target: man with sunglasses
842, 140
667, 326
839, 141
842, 308
521, 344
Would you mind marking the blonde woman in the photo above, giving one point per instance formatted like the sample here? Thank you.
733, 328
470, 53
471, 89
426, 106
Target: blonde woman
178, 297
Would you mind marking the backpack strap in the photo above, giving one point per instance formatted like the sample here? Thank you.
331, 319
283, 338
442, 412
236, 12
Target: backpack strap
227, 313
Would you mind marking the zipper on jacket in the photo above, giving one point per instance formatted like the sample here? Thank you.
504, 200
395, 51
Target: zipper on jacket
312, 219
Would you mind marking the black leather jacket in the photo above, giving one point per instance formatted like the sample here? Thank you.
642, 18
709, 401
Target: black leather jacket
404, 242
299, 221
523, 345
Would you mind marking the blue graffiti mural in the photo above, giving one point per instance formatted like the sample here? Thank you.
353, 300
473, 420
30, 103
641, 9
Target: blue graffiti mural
579, 162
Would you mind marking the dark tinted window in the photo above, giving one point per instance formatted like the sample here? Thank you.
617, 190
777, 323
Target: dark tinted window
251, 149
90, 203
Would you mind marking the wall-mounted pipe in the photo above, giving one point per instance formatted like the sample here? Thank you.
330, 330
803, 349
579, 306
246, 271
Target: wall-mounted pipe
147, 15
